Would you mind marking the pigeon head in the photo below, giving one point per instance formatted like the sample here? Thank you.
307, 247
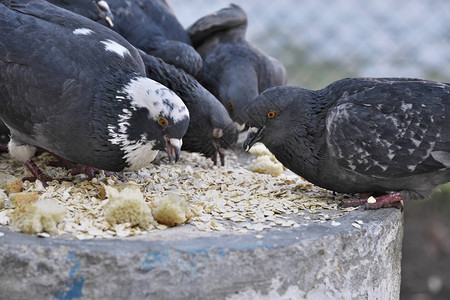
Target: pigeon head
91, 9
276, 112
155, 119
211, 129
238, 87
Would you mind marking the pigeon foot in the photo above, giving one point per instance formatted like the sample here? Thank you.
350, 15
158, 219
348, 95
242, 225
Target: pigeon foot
76, 169
37, 173
91, 172
3, 148
390, 200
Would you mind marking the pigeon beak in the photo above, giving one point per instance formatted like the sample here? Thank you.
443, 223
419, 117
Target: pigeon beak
253, 135
173, 148
109, 21
106, 12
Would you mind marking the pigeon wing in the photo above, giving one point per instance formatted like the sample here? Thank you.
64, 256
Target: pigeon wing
390, 131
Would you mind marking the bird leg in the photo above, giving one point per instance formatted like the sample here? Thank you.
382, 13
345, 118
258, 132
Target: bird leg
4, 148
218, 152
389, 200
75, 169
91, 172
37, 173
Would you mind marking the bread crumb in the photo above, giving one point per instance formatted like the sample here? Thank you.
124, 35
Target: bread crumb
40, 216
259, 149
14, 186
371, 200
127, 206
265, 162
102, 193
22, 199
171, 210
10, 184
265, 165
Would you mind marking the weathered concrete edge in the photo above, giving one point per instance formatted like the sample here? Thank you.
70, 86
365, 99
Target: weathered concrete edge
317, 260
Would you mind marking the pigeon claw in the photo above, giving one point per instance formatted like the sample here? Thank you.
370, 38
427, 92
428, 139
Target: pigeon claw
253, 136
37, 173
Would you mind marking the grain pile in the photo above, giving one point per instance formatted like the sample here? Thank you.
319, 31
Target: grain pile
192, 191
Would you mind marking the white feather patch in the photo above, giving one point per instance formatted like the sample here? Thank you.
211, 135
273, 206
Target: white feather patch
158, 99
115, 47
139, 155
177, 143
21, 152
82, 31
239, 127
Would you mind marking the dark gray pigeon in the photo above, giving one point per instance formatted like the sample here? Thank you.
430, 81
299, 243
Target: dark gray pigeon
234, 70
360, 135
95, 10
81, 94
210, 128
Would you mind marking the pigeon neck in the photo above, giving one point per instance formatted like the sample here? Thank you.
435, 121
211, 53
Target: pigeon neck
307, 139
175, 79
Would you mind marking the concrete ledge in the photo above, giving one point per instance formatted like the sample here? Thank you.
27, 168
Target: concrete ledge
318, 261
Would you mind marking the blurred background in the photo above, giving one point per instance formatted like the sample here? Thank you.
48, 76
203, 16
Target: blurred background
321, 41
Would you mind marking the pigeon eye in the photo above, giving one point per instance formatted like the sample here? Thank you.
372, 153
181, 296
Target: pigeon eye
271, 114
230, 105
163, 122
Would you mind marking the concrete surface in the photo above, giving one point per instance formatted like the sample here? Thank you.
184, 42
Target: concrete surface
318, 261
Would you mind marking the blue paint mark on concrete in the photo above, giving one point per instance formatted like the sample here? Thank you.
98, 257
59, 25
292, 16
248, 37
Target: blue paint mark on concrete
221, 253
151, 259
73, 288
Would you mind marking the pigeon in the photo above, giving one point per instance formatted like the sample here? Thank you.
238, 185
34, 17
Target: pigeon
234, 70
81, 95
360, 135
209, 132
210, 128
98, 11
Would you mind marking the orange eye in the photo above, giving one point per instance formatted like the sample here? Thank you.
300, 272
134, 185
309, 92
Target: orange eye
230, 105
271, 114
163, 122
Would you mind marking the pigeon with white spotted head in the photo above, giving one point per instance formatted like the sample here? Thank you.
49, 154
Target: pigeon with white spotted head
360, 135
82, 94
211, 129
234, 70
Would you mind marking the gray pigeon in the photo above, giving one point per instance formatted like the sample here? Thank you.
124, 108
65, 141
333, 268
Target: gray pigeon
210, 128
360, 135
81, 94
234, 70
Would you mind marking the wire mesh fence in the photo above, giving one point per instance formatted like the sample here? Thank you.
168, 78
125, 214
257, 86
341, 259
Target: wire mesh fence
320, 41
